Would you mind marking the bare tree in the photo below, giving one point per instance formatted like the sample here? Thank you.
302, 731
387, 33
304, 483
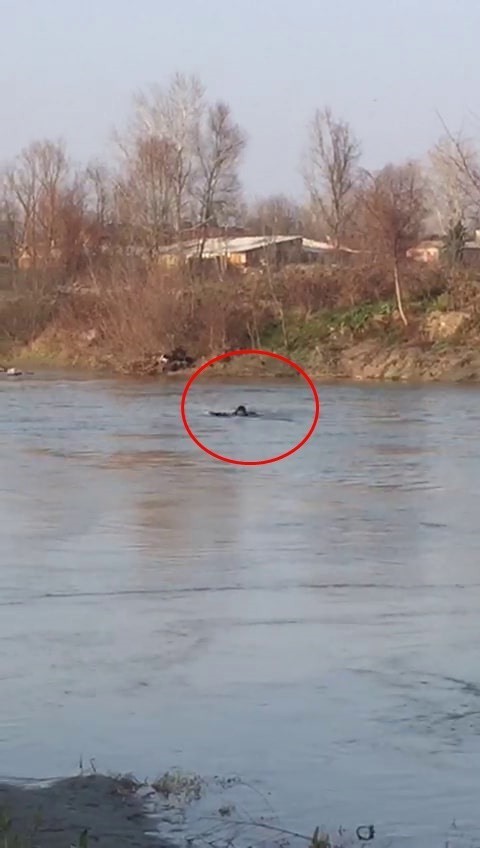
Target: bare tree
21, 191
276, 215
53, 174
184, 110
36, 184
454, 182
219, 146
145, 195
7, 226
180, 161
393, 202
98, 184
331, 171
171, 117
72, 229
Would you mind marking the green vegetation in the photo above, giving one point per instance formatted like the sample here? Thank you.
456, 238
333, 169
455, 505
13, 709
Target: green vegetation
332, 327
11, 839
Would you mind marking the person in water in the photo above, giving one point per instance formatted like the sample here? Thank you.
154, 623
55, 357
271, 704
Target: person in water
240, 412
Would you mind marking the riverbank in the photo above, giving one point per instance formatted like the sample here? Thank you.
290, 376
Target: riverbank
303, 317
367, 361
108, 812
442, 346
79, 811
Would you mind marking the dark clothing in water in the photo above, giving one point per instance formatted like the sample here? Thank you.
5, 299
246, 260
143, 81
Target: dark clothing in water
240, 412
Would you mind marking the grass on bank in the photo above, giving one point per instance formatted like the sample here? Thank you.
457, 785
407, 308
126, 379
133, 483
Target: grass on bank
304, 333
10, 839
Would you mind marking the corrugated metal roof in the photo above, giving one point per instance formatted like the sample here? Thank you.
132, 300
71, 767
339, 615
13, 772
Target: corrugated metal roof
311, 244
323, 246
223, 246
243, 244
213, 247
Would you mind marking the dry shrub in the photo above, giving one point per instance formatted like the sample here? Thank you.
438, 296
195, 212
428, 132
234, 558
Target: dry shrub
29, 307
308, 289
462, 292
131, 316
132, 309
140, 310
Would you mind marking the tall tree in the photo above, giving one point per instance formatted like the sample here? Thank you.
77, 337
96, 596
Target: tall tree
146, 194
98, 185
168, 117
331, 171
40, 185
275, 215
454, 183
394, 208
219, 148
180, 162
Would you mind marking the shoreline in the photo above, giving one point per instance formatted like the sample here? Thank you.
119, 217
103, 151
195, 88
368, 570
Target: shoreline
369, 361
100, 810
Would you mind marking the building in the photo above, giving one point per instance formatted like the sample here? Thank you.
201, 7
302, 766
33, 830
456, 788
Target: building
428, 251
471, 252
252, 251
239, 252
326, 252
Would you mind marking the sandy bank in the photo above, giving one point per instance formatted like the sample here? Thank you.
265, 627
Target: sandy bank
365, 361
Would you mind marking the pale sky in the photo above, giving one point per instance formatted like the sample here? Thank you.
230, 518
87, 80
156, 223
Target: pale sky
68, 69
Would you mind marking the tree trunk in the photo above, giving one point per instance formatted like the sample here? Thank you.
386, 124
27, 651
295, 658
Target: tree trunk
398, 292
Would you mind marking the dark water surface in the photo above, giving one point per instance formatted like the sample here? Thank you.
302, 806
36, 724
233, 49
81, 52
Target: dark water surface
313, 625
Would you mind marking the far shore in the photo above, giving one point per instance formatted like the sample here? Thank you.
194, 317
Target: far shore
367, 361
335, 324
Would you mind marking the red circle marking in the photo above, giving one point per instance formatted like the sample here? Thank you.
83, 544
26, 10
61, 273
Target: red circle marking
243, 353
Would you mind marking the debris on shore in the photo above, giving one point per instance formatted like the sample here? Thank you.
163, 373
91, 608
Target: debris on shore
153, 364
13, 372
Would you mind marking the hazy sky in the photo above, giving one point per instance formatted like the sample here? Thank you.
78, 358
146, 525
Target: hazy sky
68, 68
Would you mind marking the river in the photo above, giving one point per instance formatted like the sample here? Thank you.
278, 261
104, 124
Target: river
311, 625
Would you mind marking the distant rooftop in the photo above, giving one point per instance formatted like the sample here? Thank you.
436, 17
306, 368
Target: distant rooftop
221, 246
213, 247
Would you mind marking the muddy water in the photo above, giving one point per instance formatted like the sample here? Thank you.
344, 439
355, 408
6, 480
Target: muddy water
312, 626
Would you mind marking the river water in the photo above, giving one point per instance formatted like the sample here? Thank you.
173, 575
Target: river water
312, 625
